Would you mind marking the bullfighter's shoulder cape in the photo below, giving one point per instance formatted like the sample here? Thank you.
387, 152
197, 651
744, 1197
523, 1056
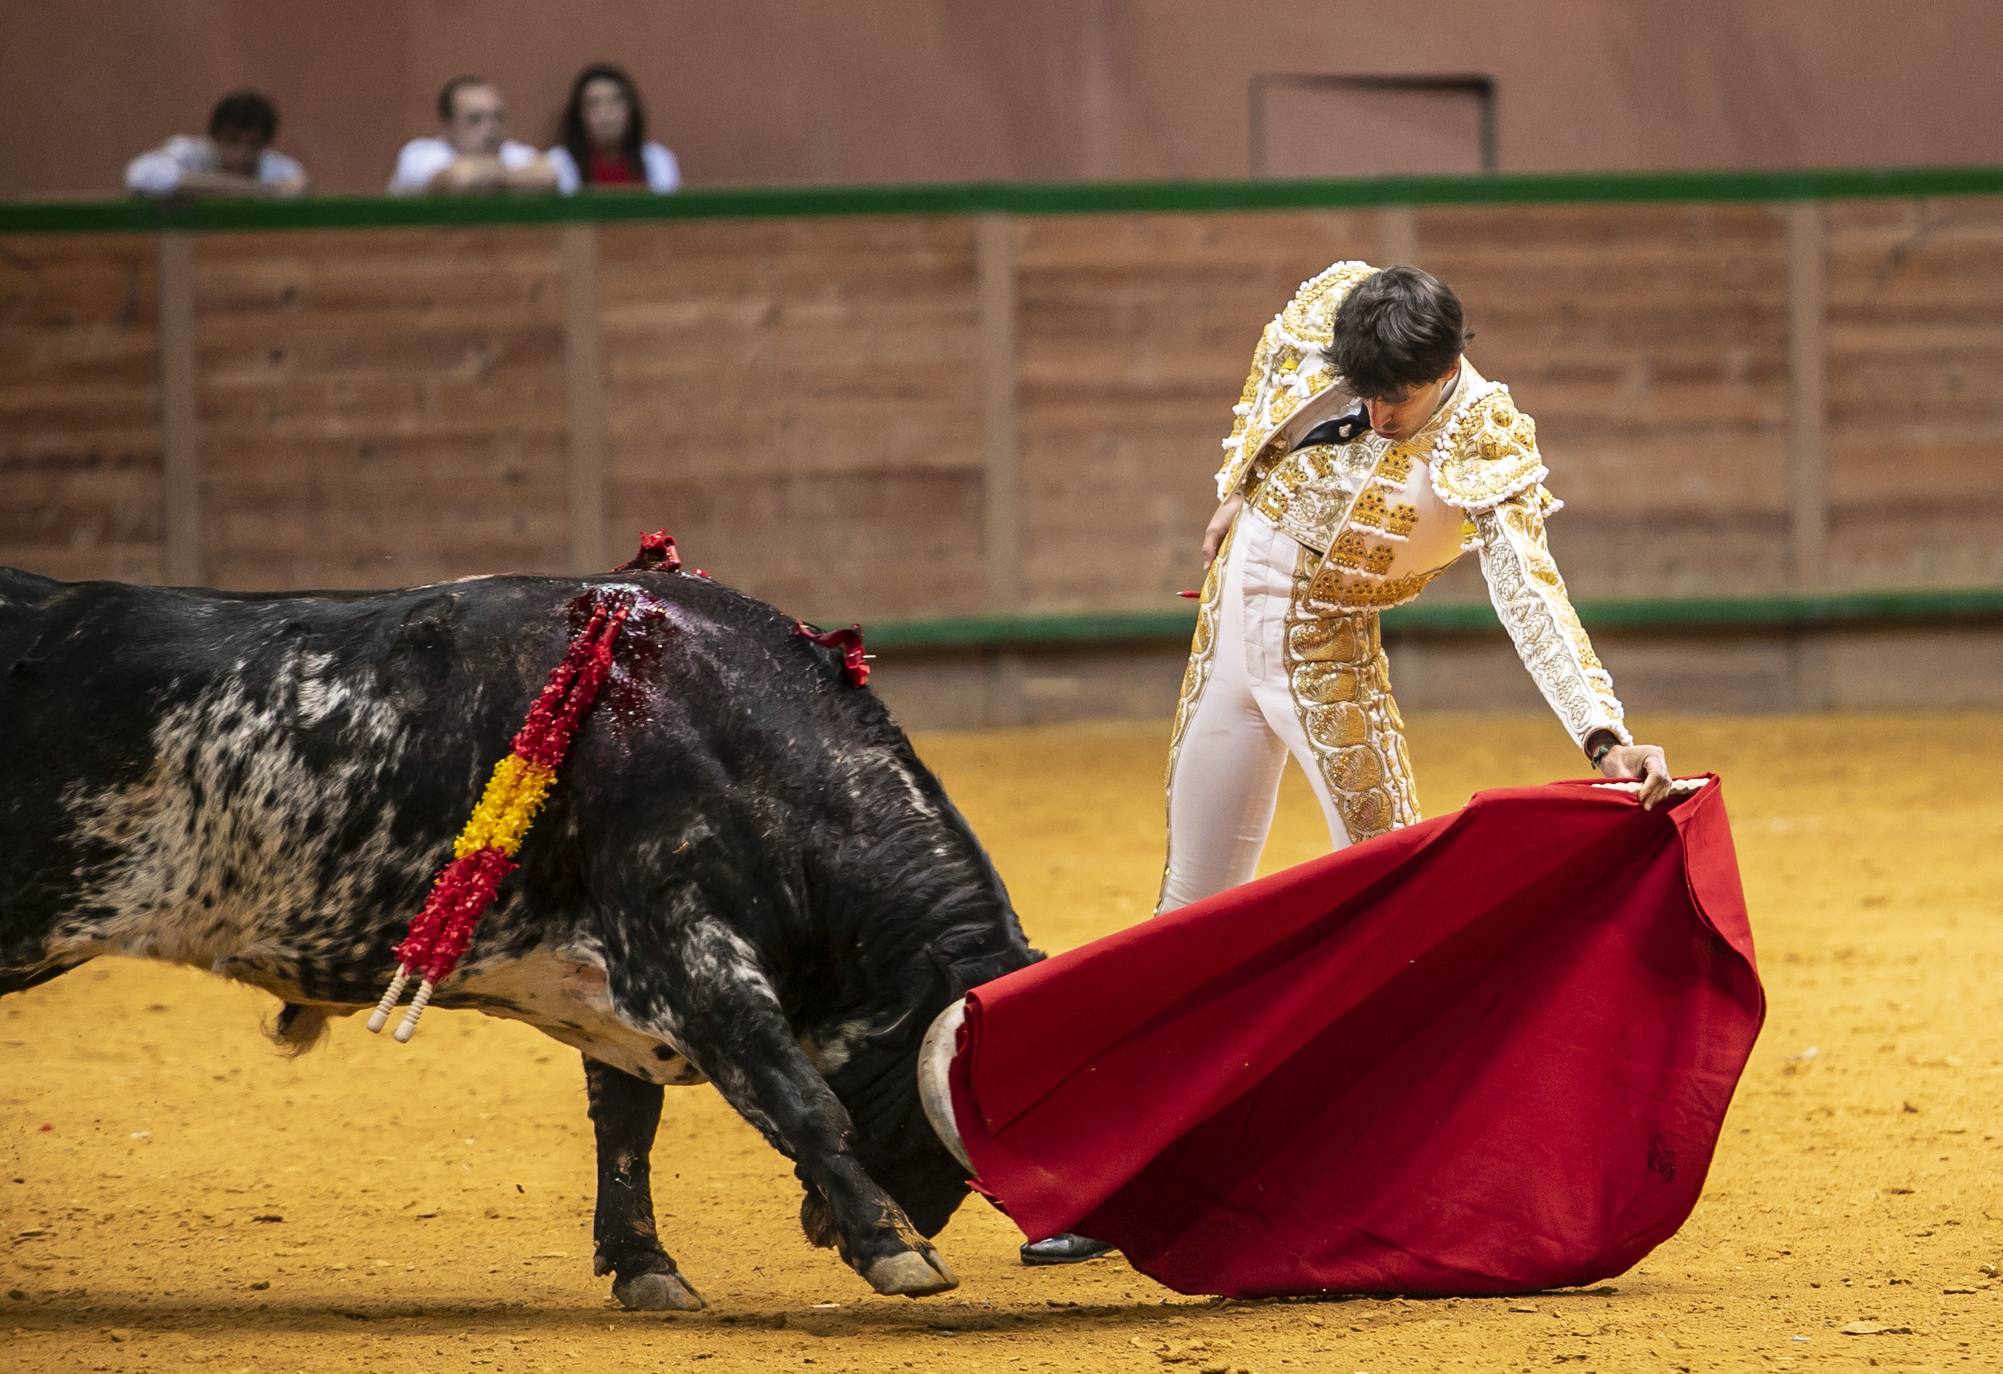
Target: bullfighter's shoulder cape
1487, 1053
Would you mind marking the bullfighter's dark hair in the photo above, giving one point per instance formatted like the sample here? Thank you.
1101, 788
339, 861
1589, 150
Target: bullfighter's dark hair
1397, 329
244, 112
450, 91
576, 139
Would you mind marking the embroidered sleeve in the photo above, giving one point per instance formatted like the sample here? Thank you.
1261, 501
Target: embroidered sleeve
1487, 455
1237, 462
1530, 600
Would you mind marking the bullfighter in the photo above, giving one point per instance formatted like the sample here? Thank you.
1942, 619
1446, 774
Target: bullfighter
1367, 455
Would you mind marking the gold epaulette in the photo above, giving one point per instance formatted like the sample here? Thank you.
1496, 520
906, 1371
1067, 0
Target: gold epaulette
1487, 455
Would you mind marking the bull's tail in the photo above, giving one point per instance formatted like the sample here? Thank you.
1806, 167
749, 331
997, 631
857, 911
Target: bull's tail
297, 1028
21, 979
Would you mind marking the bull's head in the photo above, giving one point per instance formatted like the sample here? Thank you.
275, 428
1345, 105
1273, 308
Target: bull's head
879, 1084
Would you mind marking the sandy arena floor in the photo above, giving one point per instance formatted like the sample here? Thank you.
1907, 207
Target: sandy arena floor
174, 1194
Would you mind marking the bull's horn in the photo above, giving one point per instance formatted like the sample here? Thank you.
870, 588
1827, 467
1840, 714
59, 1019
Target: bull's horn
935, 1062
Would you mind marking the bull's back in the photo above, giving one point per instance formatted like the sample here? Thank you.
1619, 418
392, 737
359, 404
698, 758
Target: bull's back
194, 772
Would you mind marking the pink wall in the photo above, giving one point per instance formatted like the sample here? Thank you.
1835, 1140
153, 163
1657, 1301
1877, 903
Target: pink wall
770, 91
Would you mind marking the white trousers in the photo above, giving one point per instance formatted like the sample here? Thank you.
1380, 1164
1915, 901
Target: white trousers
1224, 779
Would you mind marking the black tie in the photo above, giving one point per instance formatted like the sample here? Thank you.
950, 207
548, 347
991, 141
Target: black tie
1341, 430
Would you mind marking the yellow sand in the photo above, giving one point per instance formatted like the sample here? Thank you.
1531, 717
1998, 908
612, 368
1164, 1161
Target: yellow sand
174, 1194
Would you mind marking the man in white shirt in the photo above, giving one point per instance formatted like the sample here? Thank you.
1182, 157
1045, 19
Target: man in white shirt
236, 159
475, 156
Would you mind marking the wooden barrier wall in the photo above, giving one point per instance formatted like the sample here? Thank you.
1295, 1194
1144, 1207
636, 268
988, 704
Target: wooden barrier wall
881, 416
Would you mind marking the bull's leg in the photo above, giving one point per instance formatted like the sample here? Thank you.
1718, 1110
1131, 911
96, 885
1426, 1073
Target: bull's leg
728, 1021
777, 1088
624, 1113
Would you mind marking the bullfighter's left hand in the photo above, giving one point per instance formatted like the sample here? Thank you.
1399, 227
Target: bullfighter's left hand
1644, 761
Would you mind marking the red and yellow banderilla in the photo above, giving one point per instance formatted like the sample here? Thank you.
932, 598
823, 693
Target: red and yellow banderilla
485, 851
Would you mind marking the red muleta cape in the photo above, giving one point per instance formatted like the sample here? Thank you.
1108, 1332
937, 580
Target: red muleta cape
1488, 1053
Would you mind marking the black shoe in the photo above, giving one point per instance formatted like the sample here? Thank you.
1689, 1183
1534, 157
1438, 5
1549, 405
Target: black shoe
1064, 1248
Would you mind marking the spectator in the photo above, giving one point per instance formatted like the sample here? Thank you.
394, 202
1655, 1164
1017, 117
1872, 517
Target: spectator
604, 138
475, 156
236, 159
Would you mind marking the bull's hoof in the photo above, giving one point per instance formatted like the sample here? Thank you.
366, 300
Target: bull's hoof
912, 1274
657, 1293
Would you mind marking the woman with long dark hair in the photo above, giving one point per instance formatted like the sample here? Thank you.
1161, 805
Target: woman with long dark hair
602, 144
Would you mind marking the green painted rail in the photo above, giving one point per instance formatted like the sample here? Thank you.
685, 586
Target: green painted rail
1784, 613
1013, 198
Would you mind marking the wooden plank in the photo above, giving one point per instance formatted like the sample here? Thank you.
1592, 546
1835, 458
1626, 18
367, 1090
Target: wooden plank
1650, 344
80, 411
1913, 376
823, 546
1001, 457
803, 405
384, 409
815, 406
1001, 451
1918, 543
1397, 237
1657, 372
584, 394
1808, 492
181, 454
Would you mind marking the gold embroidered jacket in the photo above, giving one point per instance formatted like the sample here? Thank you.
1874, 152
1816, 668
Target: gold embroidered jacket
1392, 517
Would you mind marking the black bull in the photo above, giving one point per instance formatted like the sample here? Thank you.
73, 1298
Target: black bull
744, 873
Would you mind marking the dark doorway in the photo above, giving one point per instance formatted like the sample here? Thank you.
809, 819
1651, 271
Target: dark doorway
1361, 126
